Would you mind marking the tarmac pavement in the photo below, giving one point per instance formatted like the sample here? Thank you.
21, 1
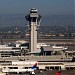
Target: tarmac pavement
51, 72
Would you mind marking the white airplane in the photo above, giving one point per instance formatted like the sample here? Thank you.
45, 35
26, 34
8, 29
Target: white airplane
30, 70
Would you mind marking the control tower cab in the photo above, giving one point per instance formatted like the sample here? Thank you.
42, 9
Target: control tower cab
34, 22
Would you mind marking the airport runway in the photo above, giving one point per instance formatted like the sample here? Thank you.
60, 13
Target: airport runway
72, 41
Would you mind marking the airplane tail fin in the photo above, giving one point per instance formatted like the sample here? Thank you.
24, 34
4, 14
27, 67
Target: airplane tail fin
34, 66
58, 73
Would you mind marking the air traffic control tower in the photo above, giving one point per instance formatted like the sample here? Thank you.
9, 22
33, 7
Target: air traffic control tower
34, 23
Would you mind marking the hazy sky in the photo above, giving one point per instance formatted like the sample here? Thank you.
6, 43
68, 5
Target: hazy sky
44, 6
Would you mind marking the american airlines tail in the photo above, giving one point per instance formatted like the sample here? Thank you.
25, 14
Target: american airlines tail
58, 73
34, 66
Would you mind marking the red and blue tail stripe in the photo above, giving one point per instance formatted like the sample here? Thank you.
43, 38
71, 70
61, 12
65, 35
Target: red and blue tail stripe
34, 66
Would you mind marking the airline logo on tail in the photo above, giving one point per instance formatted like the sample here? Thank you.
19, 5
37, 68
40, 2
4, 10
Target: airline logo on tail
58, 73
34, 66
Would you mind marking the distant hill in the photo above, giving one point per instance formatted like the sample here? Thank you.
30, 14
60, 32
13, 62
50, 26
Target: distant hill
19, 20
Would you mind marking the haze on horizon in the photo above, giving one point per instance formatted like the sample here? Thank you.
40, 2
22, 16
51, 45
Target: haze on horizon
47, 8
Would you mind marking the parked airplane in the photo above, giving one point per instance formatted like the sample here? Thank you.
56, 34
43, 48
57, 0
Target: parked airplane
30, 70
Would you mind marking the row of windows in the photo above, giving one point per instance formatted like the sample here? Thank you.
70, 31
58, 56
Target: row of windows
5, 61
